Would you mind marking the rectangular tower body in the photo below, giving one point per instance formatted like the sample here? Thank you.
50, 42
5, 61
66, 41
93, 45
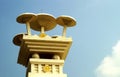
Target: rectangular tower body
45, 68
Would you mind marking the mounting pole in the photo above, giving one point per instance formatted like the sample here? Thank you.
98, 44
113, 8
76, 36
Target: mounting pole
42, 30
28, 28
64, 31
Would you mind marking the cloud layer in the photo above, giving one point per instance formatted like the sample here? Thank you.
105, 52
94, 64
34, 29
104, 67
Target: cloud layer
110, 65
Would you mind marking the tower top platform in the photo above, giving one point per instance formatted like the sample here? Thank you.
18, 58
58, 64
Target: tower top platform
46, 47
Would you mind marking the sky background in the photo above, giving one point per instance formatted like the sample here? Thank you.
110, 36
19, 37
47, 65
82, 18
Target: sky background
95, 51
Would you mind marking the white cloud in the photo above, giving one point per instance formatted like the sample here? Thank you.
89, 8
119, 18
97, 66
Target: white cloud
110, 66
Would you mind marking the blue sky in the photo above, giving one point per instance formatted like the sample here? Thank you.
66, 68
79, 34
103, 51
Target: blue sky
95, 49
